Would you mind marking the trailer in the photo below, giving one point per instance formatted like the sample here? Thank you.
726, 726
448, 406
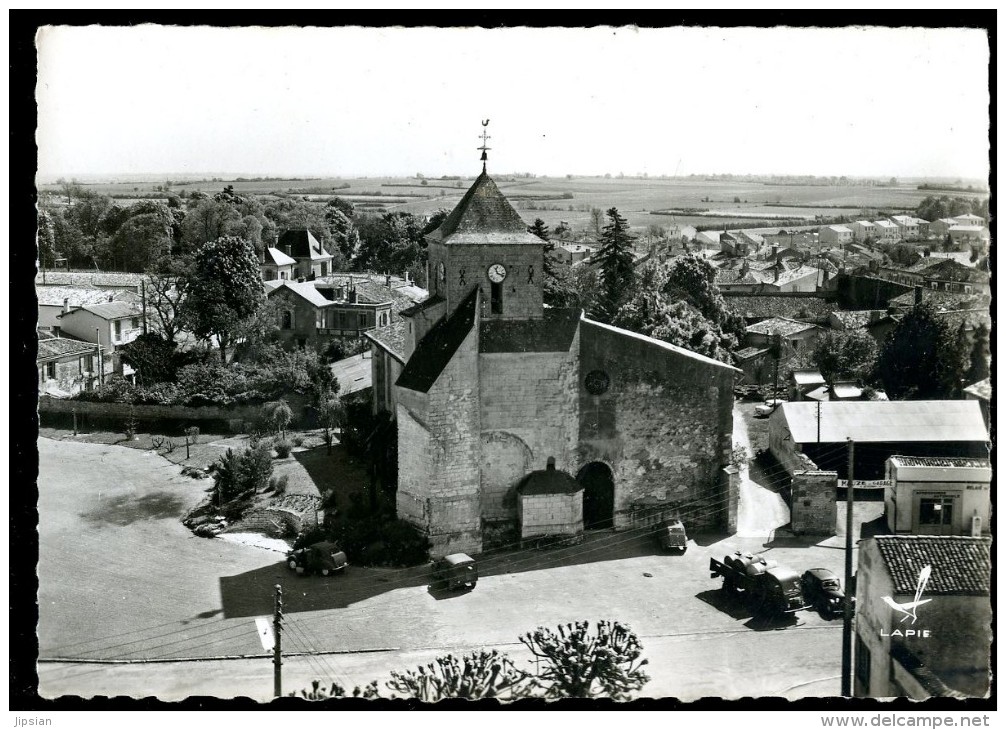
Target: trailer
770, 588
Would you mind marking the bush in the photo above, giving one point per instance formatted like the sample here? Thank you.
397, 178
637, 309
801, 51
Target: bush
277, 485
297, 440
239, 473
283, 448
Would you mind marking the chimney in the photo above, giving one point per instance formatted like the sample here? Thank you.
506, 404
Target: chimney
387, 280
918, 295
66, 305
875, 315
353, 297
550, 464
110, 298
776, 270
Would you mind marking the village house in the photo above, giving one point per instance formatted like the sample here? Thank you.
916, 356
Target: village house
66, 366
108, 324
836, 235
277, 265
938, 496
861, 230
939, 274
803, 381
941, 226
908, 227
886, 231
573, 253
969, 219
793, 336
310, 319
53, 301
311, 257
943, 584
970, 238
486, 384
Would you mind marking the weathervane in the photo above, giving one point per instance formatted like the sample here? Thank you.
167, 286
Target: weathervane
485, 138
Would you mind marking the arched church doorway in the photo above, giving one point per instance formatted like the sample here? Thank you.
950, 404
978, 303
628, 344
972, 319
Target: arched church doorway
598, 495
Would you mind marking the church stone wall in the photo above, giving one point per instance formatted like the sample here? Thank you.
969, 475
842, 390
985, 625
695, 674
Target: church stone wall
530, 398
664, 425
452, 479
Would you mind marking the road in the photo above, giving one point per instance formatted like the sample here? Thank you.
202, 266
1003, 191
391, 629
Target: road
122, 579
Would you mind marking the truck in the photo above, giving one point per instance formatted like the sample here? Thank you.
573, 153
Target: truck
771, 589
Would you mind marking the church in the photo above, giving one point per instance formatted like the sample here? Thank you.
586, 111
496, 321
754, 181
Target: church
490, 387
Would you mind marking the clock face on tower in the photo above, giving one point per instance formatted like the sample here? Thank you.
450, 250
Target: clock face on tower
497, 273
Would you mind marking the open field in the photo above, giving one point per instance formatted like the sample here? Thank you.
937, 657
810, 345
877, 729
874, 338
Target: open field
549, 198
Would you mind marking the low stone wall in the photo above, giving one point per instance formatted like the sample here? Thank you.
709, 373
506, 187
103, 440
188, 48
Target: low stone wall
814, 511
543, 515
236, 417
289, 517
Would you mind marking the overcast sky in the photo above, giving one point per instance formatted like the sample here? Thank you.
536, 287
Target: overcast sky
352, 101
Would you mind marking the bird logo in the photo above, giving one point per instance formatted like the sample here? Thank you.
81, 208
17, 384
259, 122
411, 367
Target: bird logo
910, 609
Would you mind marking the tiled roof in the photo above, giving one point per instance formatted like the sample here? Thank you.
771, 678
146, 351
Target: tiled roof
807, 376
277, 258
982, 389
108, 310
53, 296
421, 306
437, 348
353, 373
755, 306
303, 245
484, 215
553, 333
548, 481
304, 289
748, 353
99, 279
391, 338
943, 299
370, 292
839, 229
961, 566
57, 347
779, 326
858, 319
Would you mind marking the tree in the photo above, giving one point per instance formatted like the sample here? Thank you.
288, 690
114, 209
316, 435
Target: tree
222, 290
239, 474
850, 354
165, 293
919, 359
476, 676
138, 242
692, 279
617, 273
331, 414
596, 219
155, 358
279, 414
978, 368
579, 662
557, 289
393, 242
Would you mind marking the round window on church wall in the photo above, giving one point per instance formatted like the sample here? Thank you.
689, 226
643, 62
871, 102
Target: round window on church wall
597, 382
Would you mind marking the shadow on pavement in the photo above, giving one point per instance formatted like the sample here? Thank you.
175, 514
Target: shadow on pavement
442, 594
772, 623
251, 593
125, 509
732, 606
337, 472
707, 539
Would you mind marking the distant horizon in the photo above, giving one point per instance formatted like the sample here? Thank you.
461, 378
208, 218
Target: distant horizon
186, 177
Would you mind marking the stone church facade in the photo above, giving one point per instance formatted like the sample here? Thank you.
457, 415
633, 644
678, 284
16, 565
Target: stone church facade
486, 383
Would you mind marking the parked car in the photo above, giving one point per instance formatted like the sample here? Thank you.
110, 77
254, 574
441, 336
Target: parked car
764, 410
325, 558
454, 571
671, 535
823, 590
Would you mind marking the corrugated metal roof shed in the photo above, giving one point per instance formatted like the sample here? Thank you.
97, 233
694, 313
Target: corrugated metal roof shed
886, 421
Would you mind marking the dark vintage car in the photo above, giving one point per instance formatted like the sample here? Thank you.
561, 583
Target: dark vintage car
823, 590
671, 535
325, 558
454, 571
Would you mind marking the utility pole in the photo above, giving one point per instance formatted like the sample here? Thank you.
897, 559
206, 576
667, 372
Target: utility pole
819, 422
101, 365
847, 605
143, 300
277, 649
